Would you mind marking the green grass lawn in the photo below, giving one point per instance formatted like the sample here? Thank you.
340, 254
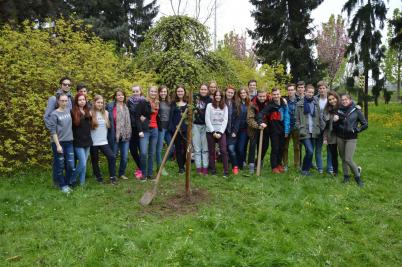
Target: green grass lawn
275, 220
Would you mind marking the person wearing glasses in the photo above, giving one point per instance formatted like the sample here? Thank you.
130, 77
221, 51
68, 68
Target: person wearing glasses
52, 105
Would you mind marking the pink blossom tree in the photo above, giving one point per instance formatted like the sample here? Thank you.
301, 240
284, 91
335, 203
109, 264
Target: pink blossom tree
332, 40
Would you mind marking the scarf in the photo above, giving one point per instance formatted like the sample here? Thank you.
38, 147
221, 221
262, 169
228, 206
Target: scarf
309, 107
123, 124
135, 99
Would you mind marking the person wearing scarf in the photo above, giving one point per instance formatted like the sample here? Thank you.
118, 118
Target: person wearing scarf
132, 103
310, 124
119, 133
351, 123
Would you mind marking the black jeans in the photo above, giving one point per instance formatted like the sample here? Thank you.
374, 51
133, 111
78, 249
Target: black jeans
333, 148
277, 145
180, 144
135, 148
253, 146
111, 160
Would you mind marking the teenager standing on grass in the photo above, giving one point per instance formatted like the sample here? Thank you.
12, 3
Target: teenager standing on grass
309, 123
351, 123
82, 135
148, 130
253, 130
99, 128
119, 133
52, 104
178, 106
132, 103
60, 126
329, 137
322, 101
242, 104
232, 127
199, 134
278, 127
216, 119
292, 100
163, 124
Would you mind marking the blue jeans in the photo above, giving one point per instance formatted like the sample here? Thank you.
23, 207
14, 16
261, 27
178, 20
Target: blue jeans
309, 144
241, 147
82, 154
159, 146
123, 146
318, 155
148, 149
64, 162
168, 139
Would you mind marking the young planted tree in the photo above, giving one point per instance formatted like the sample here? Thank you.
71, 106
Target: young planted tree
364, 33
331, 41
393, 56
282, 30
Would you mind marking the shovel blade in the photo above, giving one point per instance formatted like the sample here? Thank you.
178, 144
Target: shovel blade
147, 198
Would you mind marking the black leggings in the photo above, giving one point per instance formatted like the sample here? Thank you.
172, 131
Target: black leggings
111, 160
333, 148
135, 147
180, 144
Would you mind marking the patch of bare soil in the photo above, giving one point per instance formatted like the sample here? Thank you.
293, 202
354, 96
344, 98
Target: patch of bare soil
178, 203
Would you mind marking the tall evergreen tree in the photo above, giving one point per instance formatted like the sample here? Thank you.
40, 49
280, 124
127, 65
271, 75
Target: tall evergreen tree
365, 36
15, 12
124, 21
393, 59
282, 33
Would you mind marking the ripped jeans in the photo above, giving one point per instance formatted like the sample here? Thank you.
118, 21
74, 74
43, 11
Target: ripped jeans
64, 163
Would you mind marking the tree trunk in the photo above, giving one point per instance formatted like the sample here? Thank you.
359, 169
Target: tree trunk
189, 141
365, 96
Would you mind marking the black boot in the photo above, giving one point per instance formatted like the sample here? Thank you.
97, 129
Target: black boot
346, 179
359, 182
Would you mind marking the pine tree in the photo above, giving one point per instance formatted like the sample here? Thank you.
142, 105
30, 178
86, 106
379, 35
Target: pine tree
282, 33
365, 36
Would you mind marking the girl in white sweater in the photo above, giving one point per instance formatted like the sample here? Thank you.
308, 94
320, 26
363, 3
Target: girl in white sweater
216, 119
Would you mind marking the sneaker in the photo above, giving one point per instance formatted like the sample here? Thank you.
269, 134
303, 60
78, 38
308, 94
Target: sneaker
182, 171
235, 170
251, 169
150, 177
138, 174
123, 177
66, 189
320, 171
359, 182
281, 168
212, 172
225, 175
142, 179
305, 173
359, 169
285, 168
346, 179
113, 180
276, 170
164, 172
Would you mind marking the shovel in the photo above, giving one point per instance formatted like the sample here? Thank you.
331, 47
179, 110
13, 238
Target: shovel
259, 153
148, 196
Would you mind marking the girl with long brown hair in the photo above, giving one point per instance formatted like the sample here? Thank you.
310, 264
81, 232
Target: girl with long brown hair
82, 135
216, 119
242, 102
99, 128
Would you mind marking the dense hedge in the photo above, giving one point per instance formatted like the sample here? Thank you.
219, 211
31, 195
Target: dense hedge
31, 63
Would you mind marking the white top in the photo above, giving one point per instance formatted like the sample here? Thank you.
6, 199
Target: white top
216, 119
322, 102
99, 135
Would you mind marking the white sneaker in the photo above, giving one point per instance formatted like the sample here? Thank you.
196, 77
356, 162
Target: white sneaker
66, 189
359, 169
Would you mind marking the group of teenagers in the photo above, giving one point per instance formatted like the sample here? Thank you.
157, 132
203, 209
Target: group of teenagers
226, 125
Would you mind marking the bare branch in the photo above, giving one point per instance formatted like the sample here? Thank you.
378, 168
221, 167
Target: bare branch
171, 4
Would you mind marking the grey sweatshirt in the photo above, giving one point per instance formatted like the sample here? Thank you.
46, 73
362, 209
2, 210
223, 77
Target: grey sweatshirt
52, 105
60, 123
